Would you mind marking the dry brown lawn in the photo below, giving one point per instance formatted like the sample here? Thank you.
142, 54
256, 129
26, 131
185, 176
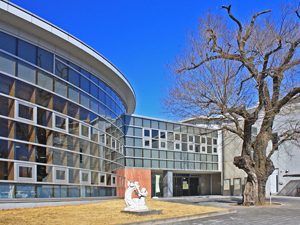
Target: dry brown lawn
107, 212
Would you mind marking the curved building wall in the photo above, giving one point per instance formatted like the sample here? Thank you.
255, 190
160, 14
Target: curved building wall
61, 127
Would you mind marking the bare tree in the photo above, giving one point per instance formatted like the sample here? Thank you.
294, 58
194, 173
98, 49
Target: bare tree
240, 70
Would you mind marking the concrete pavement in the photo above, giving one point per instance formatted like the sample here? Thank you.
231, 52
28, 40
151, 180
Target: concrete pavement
288, 212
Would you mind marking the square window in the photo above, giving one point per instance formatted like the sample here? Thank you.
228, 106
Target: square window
215, 150
203, 149
60, 175
170, 136
163, 135
26, 111
163, 144
209, 141
209, 149
154, 143
191, 138
147, 133
215, 142
177, 146
85, 177
60, 122
191, 147
25, 171
203, 140
147, 143
155, 134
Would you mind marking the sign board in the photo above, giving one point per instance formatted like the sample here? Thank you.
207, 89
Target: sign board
226, 185
185, 185
157, 189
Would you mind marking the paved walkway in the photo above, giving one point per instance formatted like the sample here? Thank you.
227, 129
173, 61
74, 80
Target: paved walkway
286, 213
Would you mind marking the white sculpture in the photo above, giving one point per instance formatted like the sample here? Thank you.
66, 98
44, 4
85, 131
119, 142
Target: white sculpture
136, 204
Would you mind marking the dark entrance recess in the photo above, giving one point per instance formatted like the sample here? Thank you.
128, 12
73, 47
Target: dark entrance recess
186, 186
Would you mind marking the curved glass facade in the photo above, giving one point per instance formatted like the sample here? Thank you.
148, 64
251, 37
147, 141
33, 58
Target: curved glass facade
61, 126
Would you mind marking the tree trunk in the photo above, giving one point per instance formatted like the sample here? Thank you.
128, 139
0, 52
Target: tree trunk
251, 192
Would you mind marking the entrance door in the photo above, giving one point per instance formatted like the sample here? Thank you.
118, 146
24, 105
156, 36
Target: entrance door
194, 186
186, 186
177, 186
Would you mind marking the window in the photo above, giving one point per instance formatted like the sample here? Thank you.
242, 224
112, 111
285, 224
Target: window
114, 180
84, 130
155, 134
8, 43
25, 172
103, 179
25, 111
60, 175
191, 147
177, 137
177, 146
60, 87
184, 137
45, 60
85, 177
26, 72
203, 141
215, 141
191, 138
146, 133
147, 143
44, 80
163, 144
113, 144
60, 122
154, 143
7, 63
209, 141
102, 138
163, 135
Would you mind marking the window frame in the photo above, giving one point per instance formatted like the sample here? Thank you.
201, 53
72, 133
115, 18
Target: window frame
80, 131
177, 149
148, 129
54, 115
160, 142
89, 177
192, 146
26, 179
18, 103
60, 181
105, 178
150, 142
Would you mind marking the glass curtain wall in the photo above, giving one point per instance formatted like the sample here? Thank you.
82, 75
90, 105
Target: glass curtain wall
61, 129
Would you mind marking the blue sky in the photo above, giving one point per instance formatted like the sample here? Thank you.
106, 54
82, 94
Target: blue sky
138, 36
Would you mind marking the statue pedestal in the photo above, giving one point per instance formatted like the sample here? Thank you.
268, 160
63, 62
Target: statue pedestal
142, 213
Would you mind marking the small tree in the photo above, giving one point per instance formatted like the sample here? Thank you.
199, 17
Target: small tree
239, 70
